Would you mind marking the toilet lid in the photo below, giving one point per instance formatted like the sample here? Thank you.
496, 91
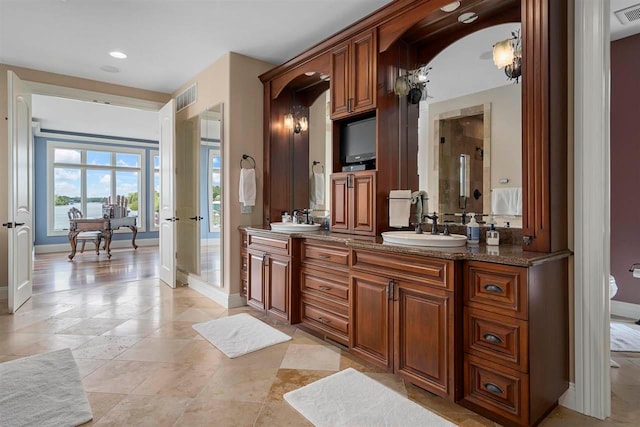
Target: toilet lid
613, 287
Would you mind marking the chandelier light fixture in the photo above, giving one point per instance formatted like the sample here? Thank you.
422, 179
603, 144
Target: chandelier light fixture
413, 84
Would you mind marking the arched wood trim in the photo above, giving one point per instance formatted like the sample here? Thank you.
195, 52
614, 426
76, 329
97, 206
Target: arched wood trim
319, 64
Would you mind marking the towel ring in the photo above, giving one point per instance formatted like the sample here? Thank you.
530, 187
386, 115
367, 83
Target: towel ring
249, 159
315, 162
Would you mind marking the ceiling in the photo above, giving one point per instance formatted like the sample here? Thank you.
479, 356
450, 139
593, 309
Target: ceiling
619, 31
167, 41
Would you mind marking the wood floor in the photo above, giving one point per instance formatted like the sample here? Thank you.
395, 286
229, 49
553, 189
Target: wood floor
54, 272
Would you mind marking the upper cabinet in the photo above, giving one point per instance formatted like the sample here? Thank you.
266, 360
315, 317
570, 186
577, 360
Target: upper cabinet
353, 72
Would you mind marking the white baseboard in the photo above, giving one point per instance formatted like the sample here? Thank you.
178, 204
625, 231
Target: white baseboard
568, 399
212, 292
625, 309
115, 244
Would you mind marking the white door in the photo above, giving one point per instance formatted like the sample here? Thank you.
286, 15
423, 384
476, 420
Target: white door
167, 195
20, 219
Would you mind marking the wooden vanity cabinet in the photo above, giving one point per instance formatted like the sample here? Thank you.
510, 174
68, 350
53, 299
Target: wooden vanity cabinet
516, 340
324, 289
244, 266
353, 202
403, 318
353, 76
270, 270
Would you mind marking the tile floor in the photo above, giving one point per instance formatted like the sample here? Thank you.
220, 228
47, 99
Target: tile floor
142, 364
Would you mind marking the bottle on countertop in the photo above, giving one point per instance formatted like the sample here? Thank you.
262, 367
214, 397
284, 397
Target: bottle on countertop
473, 231
286, 217
493, 236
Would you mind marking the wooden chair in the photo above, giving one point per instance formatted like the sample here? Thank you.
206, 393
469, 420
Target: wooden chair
93, 236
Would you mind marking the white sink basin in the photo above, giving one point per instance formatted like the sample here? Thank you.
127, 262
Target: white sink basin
410, 238
290, 227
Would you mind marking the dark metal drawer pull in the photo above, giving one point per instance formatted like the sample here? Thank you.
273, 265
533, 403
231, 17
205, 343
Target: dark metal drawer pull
324, 288
493, 388
492, 338
323, 320
493, 288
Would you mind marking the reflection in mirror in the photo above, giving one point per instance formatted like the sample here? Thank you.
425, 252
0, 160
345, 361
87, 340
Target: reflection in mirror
210, 186
472, 112
319, 155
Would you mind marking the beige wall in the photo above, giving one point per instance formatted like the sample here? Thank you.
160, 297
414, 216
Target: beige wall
57, 80
233, 81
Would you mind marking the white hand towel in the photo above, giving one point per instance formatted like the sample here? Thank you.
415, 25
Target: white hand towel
317, 189
399, 208
247, 187
506, 201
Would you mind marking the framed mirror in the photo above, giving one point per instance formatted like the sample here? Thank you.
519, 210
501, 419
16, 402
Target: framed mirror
470, 132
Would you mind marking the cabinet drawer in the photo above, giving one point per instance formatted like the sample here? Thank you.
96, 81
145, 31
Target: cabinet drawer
269, 243
495, 337
324, 318
434, 272
497, 288
497, 389
324, 254
327, 284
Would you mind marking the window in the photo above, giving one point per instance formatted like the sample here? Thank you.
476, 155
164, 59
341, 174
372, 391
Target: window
85, 176
215, 196
156, 190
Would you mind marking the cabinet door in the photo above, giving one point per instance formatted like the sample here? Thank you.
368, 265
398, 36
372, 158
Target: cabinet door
339, 202
423, 333
363, 192
363, 73
255, 279
340, 81
278, 287
372, 324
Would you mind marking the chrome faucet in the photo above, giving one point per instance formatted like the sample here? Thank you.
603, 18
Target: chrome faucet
434, 226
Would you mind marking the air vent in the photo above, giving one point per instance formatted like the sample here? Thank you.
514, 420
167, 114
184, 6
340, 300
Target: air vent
629, 14
186, 98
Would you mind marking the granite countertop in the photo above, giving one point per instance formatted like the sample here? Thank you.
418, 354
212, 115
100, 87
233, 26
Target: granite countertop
507, 254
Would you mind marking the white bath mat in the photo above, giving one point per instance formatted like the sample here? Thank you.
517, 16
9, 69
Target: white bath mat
625, 337
240, 334
43, 390
349, 398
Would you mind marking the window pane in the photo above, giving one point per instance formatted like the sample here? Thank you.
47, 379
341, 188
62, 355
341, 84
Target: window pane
156, 199
127, 184
128, 160
214, 223
156, 162
101, 158
98, 189
63, 155
66, 187
215, 162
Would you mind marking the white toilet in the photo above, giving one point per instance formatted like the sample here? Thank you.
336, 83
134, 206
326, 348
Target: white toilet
613, 290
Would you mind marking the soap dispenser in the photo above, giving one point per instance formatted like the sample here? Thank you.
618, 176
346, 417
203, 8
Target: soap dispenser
493, 237
473, 231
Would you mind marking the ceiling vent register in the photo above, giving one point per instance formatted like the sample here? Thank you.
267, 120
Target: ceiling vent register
629, 15
186, 98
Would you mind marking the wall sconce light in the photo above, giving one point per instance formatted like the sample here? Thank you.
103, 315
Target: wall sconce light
507, 54
413, 84
296, 124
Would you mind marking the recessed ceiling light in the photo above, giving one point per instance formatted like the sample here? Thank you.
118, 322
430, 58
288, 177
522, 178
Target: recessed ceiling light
110, 69
450, 7
467, 17
118, 54
309, 73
